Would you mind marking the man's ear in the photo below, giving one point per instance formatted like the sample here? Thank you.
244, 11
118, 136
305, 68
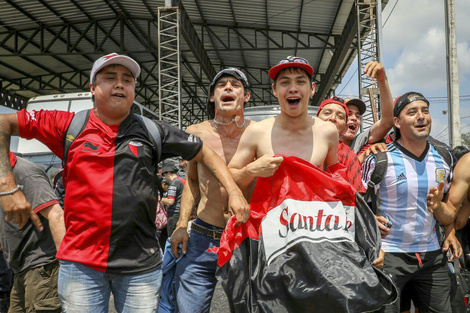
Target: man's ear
313, 90
247, 97
92, 89
211, 97
273, 86
396, 122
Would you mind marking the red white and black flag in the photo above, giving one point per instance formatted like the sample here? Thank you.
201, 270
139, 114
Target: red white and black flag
307, 247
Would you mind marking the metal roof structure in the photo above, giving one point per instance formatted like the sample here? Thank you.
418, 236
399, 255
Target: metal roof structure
49, 46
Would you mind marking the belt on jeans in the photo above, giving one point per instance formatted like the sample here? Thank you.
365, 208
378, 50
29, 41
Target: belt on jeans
212, 233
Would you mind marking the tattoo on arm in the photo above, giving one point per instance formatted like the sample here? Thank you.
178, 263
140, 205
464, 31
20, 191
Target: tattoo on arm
5, 134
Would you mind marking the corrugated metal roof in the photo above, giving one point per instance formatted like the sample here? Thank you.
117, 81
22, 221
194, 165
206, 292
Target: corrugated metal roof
49, 46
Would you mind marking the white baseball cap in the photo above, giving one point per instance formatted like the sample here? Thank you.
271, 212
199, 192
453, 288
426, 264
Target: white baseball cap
114, 58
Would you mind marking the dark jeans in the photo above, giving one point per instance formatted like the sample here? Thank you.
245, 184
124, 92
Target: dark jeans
195, 273
173, 218
4, 302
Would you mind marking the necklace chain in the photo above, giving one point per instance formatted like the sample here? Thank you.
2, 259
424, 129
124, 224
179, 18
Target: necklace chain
232, 121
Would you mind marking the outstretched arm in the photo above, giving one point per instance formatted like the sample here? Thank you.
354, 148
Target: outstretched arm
237, 204
189, 200
380, 129
15, 205
457, 195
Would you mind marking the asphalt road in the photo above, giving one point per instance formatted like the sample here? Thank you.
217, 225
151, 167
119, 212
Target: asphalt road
219, 301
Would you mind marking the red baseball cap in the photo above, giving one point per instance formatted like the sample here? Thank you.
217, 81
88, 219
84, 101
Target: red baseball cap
335, 100
291, 61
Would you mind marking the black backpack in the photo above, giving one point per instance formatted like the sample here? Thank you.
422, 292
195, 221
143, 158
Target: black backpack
80, 119
381, 164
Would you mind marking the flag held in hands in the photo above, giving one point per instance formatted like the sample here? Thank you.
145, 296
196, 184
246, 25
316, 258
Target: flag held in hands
307, 247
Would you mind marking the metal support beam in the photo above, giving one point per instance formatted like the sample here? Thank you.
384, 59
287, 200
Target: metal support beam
342, 48
368, 49
169, 72
195, 44
12, 101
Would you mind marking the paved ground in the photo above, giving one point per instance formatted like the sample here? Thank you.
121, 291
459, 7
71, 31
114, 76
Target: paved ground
219, 301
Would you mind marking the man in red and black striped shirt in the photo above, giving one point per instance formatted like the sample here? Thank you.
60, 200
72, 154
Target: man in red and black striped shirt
111, 187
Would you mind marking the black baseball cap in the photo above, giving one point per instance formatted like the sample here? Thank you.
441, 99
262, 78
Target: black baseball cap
231, 71
169, 166
361, 106
402, 101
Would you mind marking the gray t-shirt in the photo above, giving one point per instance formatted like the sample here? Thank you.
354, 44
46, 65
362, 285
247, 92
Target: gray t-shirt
361, 140
27, 247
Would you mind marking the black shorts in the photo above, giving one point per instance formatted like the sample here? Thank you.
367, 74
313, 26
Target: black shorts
428, 284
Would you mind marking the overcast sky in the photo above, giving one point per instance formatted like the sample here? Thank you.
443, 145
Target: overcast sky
414, 54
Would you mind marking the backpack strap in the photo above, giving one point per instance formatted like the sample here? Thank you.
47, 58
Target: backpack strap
444, 151
76, 126
153, 131
80, 119
381, 163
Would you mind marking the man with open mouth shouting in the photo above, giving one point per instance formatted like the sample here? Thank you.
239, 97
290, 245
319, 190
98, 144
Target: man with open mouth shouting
195, 272
357, 108
293, 132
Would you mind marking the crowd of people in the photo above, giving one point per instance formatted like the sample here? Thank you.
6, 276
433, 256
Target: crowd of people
118, 178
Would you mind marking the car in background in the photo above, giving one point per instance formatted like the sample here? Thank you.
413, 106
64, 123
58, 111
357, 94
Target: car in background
37, 152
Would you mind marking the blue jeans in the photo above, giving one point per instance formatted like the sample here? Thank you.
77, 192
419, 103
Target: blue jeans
195, 274
82, 289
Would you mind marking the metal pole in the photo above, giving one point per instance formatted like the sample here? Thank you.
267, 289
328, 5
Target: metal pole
178, 60
452, 76
379, 31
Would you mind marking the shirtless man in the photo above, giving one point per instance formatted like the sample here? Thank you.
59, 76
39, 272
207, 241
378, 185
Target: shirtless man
458, 199
195, 273
293, 132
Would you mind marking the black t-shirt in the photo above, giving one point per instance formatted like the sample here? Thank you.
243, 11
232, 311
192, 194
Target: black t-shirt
175, 190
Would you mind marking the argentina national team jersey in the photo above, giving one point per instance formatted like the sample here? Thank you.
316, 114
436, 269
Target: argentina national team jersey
402, 196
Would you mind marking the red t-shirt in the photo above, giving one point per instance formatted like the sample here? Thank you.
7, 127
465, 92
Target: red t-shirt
110, 184
348, 158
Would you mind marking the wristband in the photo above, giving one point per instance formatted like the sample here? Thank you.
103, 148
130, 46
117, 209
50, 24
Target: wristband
18, 187
248, 173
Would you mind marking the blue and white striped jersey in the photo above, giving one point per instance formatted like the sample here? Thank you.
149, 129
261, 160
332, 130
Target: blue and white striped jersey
402, 196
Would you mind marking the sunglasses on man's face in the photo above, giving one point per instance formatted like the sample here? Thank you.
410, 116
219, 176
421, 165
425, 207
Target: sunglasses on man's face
293, 59
338, 99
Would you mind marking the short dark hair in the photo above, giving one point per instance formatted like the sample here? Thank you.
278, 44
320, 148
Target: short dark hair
460, 151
